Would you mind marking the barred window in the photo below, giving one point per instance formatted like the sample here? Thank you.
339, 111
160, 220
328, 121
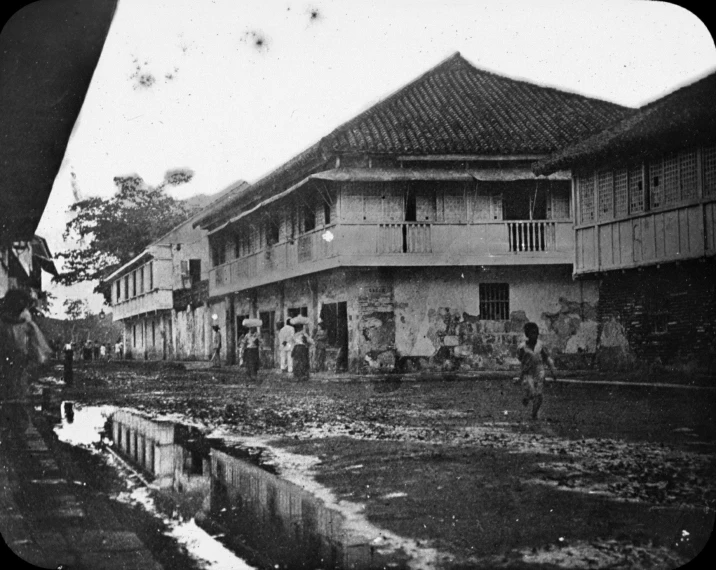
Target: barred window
687, 174
636, 189
671, 179
656, 187
620, 192
606, 194
494, 301
585, 185
709, 164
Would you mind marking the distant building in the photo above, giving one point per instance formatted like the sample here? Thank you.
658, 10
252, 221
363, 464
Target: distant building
645, 230
161, 296
417, 230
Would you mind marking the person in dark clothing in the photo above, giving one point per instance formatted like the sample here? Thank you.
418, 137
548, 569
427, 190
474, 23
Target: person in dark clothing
251, 343
300, 353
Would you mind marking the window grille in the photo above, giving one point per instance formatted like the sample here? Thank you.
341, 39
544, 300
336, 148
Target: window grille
586, 198
605, 187
494, 301
620, 192
687, 175
656, 187
636, 189
671, 179
709, 164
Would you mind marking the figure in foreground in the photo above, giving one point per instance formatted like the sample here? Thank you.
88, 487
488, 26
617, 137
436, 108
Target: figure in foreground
533, 356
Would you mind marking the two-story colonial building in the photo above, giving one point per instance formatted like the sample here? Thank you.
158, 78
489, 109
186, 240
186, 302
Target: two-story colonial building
161, 296
417, 228
645, 228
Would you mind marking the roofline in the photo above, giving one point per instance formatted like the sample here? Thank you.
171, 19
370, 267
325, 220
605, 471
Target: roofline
144, 253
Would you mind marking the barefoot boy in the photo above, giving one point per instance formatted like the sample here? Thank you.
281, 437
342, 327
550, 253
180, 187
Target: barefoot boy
533, 356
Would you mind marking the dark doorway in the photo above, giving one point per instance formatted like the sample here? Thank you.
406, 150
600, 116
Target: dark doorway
295, 311
334, 317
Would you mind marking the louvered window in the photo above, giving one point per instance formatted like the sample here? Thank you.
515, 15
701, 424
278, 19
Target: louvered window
671, 179
656, 186
636, 189
620, 192
709, 164
586, 198
687, 174
606, 195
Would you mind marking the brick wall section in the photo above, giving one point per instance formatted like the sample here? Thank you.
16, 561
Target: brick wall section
684, 294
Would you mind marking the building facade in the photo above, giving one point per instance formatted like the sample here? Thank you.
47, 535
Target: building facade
161, 296
645, 230
417, 232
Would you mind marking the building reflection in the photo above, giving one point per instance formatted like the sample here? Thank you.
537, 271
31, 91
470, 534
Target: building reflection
264, 519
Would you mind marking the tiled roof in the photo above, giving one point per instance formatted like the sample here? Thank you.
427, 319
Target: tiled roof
456, 108
453, 109
686, 117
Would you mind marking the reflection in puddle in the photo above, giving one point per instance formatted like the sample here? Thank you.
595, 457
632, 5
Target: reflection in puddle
229, 492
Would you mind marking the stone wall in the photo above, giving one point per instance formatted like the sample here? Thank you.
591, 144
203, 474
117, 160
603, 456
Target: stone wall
657, 315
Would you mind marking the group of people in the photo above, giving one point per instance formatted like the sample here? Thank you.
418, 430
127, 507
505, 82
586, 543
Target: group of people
295, 343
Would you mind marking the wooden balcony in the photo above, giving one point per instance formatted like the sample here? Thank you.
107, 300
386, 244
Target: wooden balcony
505, 242
155, 300
671, 234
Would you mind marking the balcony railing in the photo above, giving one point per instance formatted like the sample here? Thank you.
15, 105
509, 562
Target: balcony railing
410, 243
531, 236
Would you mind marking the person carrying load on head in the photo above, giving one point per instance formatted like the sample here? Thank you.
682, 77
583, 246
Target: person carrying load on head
250, 345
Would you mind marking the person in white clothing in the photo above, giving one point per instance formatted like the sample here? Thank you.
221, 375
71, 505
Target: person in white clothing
285, 345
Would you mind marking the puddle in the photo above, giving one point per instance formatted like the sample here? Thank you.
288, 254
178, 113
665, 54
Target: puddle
211, 491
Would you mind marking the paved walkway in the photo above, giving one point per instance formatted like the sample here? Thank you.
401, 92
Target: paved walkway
44, 518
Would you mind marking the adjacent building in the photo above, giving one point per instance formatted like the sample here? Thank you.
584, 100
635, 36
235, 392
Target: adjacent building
22, 263
417, 232
645, 228
161, 296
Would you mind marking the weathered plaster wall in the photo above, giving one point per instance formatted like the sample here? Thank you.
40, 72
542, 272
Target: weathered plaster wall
437, 314
371, 316
190, 332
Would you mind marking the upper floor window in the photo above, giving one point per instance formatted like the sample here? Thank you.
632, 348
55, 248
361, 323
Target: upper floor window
141, 280
585, 190
134, 283
126, 286
118, 289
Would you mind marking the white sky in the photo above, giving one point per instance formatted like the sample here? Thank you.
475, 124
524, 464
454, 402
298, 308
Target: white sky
229, 108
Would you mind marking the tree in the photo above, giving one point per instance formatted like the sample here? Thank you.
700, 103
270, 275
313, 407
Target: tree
110, 232
76, 309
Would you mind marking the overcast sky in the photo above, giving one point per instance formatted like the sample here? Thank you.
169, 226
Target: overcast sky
233, 88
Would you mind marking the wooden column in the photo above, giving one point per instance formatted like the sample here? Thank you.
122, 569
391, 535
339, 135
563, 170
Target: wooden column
230, 330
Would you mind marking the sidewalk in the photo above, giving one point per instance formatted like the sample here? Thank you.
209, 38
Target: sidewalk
48, 518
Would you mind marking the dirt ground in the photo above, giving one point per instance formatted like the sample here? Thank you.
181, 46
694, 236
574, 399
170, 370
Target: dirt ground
610, 477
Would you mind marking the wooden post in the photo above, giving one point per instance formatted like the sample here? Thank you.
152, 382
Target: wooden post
230, 330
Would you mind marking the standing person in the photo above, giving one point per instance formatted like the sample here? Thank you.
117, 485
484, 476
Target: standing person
301, 341
285, 345
216, 347
250, 345
96, 351
23, 347
533, 356
102, 351
69, 357
118, 349
321, 339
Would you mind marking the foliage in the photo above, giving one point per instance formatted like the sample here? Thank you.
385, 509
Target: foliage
106, 233
76, 308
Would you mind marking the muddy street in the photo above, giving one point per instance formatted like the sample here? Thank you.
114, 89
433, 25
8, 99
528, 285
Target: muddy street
415, 472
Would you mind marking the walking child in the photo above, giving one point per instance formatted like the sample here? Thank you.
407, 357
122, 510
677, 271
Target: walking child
533, 356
